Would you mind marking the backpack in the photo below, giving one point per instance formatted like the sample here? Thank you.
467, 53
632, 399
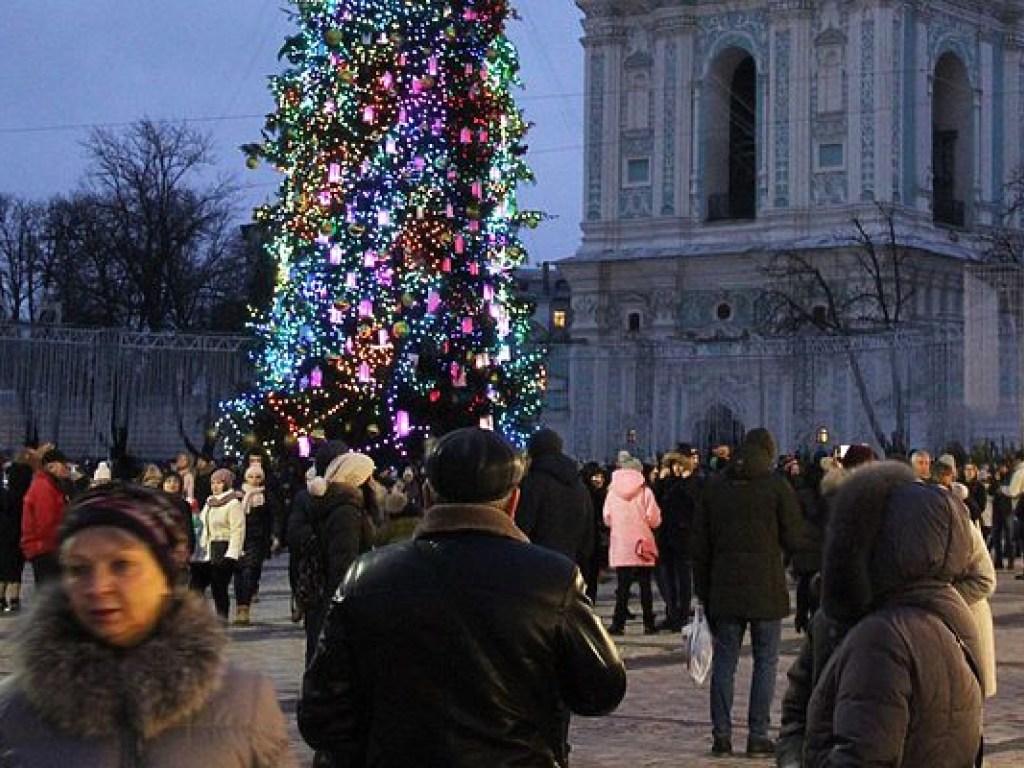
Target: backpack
310, 574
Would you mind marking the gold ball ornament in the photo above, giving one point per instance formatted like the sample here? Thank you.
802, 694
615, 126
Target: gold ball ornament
334, 36
252, 162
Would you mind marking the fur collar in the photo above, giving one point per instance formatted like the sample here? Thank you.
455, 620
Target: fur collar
468, 518
89, 689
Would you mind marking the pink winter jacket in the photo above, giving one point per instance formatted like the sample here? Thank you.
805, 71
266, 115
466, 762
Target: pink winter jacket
631, 512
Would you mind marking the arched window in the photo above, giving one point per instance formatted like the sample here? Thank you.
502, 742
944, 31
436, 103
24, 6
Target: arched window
952, 140
730, 137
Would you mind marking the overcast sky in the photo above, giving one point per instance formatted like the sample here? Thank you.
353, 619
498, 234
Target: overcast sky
69, 65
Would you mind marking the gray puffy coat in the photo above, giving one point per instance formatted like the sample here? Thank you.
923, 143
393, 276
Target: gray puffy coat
171, 701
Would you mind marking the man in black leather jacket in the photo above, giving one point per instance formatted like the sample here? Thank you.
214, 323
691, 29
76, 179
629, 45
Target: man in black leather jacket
466, 646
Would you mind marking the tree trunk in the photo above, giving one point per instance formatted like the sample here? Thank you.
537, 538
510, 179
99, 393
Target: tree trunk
865, 399
900, 435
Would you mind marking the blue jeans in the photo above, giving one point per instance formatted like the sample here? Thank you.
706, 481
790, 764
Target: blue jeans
764, 637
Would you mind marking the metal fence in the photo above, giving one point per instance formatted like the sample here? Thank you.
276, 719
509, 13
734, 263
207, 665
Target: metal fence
85, 389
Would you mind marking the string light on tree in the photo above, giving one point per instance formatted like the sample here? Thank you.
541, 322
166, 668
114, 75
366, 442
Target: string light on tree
395, 231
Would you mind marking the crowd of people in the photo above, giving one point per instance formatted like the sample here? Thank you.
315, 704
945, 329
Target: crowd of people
732, 532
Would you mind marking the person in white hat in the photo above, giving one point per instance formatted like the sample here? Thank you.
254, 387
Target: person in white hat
342, 509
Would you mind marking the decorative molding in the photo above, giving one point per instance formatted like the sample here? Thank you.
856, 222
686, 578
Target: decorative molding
948, 34
781, 116
898, 62
829, 188
595, 135
668, 165
722, 30
867, 109
636, 202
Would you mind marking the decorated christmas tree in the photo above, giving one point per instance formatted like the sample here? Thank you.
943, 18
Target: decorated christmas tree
395, 315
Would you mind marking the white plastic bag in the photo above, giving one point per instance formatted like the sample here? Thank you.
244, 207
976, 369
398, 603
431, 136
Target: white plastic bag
698, 646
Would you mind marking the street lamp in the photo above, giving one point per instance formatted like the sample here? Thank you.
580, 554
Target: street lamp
822, 435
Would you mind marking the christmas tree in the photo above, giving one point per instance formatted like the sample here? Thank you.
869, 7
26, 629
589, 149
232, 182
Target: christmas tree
395, 315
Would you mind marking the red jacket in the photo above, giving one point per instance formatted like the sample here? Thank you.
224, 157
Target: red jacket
42, 511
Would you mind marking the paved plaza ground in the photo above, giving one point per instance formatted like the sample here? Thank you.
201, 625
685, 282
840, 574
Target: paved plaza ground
663, 721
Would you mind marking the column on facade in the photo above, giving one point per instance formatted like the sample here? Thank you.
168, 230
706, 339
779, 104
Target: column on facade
674, 41
985, 118
1013, 108
884, 116
801, 168
603, 45
856, 69
922, 101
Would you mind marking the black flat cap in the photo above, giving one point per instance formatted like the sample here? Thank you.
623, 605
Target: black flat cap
472, 465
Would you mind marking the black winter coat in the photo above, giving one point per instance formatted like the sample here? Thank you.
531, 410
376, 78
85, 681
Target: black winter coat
677, 498
555, 508
463, 647
344, 528
748, 517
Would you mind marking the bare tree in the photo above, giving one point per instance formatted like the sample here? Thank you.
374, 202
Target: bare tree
866, 295
25, 266
1006, 239
146, 243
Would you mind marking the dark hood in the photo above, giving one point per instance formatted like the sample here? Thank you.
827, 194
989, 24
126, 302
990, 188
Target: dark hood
557, 466
924, 537
888, 534
749, 461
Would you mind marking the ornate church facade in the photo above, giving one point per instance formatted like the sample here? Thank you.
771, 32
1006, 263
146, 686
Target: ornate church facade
789, 212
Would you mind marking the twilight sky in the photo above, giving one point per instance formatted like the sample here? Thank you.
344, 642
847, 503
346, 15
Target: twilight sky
69, 65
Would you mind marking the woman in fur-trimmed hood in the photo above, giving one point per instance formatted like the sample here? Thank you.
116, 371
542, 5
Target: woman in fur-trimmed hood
902, 688
115, 667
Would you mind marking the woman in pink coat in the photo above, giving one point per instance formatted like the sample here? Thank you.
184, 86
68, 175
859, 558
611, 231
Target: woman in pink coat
630, 511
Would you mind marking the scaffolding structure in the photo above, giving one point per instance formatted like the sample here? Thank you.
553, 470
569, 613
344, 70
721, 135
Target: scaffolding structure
89, 389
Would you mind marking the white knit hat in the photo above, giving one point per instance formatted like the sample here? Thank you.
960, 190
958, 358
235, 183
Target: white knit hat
948, 460
102, 473
349, 468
